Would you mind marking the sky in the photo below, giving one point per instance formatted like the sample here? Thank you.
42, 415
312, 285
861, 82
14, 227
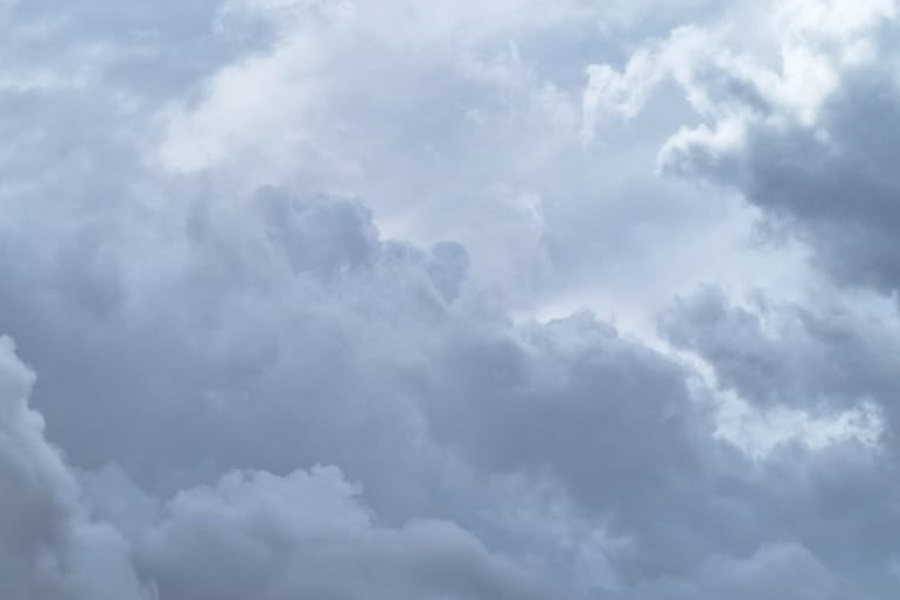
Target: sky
450, 300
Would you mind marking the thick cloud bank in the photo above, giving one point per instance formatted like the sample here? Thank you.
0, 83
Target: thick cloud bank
507, 300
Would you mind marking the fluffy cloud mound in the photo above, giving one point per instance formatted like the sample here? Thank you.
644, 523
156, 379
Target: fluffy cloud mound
49, 546
306, 534
254, 533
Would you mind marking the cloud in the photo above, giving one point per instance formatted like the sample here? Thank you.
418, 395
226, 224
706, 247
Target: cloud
790, 133
49, 547
271, 537
817, 357
790, 364
254, 533
786, 570
244, 239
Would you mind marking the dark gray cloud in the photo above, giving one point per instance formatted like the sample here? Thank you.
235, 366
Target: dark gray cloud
823, 360
816, 357
810, 136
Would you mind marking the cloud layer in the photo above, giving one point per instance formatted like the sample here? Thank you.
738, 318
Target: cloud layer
519, 299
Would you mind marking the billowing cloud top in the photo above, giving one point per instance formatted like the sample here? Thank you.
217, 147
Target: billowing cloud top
520, 299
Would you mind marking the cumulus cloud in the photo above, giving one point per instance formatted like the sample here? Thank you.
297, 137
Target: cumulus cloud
306, 534
810, 356
49, 546
254, 533
792, 132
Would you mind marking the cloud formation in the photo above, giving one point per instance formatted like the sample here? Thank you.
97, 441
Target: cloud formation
519, 299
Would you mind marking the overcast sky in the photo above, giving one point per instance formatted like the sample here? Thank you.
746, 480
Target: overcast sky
449, 299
